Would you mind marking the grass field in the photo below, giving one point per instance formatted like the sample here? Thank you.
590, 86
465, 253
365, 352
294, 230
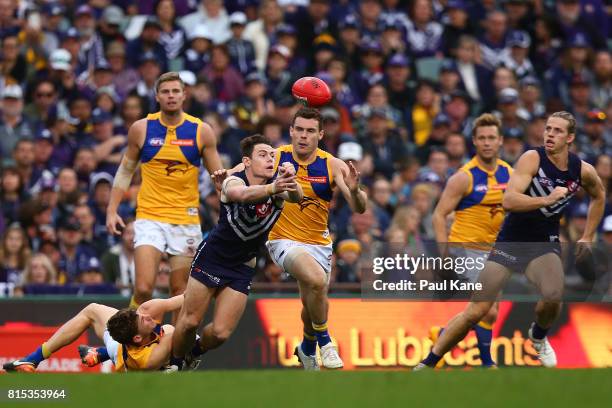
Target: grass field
521, 388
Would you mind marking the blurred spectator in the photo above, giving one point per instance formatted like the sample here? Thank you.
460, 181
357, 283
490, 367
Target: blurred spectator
75, 255
424, 110
392, 37
226, 80
458, 111
350, 38
111, 24
508, 110
580, 95
91, 51
272, 129
519, 14
312, 21
278, 79
592, 140
383, 143
13, 124
124, 76
99, 192
381, 196
23, 156
118, 261
407, 220
517, 58
404, 179
369, 18
475, 78
437, 138
530, 105
607, 230
347, 261
342, 91
513, 145
458, 24
39, 271
456, 148
68, 193
44, 103
422, 199
601, 90
449, 80
14, 64
84, 164
241, 51
437, 169
571, 20
493, 42
12, 194
91, 236
397, 82
228, 138
603, 167
149, 70
107, 146
172, 36
211, 13
424, 34
197, 55
14, 255
260, 30
146, 44
248, 109
90, 272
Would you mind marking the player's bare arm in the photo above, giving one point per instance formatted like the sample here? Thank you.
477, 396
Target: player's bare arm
454, 191
593, 186
515, 200
295, 195
124, 175
235, 190
156, 308
161, 354
212, 162
347, 178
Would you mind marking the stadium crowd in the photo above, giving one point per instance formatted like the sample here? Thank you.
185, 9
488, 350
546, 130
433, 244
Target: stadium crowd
408, 78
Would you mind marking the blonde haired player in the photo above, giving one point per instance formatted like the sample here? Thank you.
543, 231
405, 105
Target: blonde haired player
475, 194
169, 144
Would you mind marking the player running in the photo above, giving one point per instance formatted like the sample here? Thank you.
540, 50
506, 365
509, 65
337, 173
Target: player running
300, 243
475, 194
133, 339
543, 182
169, 144
251, 202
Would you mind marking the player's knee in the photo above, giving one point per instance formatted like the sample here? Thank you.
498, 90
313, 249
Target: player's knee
491, 315
221, 334
316, 283
190, 321
143, 290
476, 312
550, 306
552, 295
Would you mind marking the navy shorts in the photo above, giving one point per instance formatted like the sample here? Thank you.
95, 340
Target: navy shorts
517, 255
215, 276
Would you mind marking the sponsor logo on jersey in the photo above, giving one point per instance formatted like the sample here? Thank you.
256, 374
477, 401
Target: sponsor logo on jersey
481, 188
501, 186
572, 186
156, 141
315, 179
182, 142
545, 181
192, 211
262, 210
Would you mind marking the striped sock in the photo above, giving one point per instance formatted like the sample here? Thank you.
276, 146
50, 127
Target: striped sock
432, 359
102, 354
309, 344
321, 333
40, 354
538, 332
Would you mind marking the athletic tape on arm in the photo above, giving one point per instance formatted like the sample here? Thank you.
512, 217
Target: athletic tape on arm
125, 172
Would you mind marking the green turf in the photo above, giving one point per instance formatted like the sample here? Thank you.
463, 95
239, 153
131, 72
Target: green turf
520, 388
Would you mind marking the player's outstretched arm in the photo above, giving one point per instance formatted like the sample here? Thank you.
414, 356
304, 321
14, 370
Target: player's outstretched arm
515, 199
161, 354
156, 308
125, 172
234, 189
347, 179
454, 191
291, 196
212, 162
593, 186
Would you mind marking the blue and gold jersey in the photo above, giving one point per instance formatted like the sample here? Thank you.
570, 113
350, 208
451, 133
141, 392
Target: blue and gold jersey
134, 358
170, 158
306, 221
479, 214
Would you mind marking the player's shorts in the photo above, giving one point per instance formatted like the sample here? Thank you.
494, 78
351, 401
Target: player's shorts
213, 275
112, 347
517, 256
279, 248
173, 239
472, 262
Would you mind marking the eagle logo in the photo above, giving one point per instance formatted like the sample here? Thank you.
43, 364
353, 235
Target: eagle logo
307, 202
173, 166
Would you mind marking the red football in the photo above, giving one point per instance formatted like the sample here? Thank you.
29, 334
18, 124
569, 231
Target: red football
312, 90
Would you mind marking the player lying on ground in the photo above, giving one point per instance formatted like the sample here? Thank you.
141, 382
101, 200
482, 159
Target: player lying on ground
540, 188
251, 202
133, 339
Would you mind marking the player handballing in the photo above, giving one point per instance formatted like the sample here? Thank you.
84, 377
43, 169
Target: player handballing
543, 182
169, 145
133, 339
475, 194
251, 202
300, 243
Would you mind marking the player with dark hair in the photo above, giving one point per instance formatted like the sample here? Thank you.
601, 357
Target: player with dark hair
542, 184
251, 202
475, 194
133, 339
300, 242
